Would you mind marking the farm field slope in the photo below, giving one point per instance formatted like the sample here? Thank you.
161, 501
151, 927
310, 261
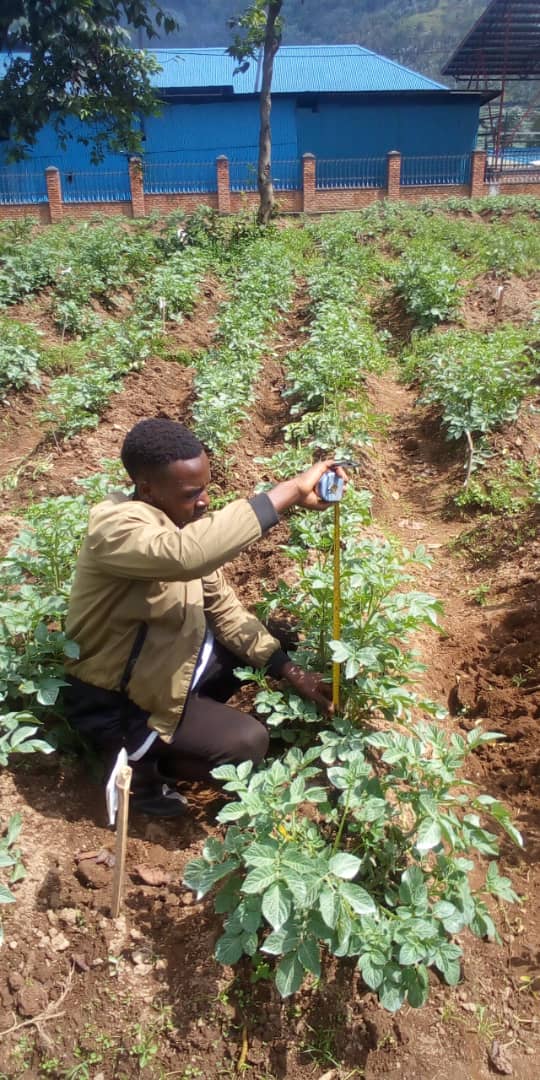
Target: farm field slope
405, 338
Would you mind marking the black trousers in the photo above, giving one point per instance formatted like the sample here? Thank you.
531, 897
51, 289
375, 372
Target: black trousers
210, 733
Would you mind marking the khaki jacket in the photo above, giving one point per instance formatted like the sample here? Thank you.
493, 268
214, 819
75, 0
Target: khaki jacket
136, 567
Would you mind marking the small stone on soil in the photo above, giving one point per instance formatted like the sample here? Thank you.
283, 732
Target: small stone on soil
499, 1059
93, 875
80, 962
60, 942
31, 1000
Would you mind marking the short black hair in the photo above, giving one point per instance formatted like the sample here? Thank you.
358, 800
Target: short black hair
154, 443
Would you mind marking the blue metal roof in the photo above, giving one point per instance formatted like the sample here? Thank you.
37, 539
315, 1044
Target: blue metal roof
297, 69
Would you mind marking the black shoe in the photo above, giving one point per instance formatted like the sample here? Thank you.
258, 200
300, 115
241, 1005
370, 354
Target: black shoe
161, 802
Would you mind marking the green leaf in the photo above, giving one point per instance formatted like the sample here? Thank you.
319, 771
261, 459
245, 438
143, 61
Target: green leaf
392, 996
316, 795
260, 878
447, 959
329, 907
309, 956
13, 828
411, 953
289, 975
340, 651
359, 899
225, 772
297, 883
201, 876
477, 737
417, 983
281, 941
372, 967
71, 650
6, 895
233, 811
250, 943
261, 854
500, 886
229, 949
244, 770
451, 917
228, 896
249, 913
428, 835
296, 790
48, 691
344, 865
412, 890
276, 905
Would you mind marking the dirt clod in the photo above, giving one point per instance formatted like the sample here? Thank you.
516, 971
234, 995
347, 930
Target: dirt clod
499, 1059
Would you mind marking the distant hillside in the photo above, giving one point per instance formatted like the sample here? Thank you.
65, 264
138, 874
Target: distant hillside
418, 33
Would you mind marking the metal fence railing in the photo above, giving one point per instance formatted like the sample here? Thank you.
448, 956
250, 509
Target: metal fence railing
438, 169
243, 175
513, 165
19, 186
364, 172
162, 178
96, 186
286, 175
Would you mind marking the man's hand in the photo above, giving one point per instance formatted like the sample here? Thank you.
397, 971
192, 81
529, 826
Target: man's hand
309, 685
301, 490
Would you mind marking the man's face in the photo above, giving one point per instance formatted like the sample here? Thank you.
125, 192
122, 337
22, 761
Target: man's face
179, 489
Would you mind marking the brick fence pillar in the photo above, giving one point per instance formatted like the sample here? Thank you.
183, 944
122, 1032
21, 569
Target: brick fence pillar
308, 182
393, 174
478, 170
54, 194
223, 184
136, 187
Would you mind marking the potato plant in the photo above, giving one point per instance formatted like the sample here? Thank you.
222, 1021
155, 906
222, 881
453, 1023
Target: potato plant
261, 286
36, 579
358, 848
478, 380
20, 356
429, 286
325, 376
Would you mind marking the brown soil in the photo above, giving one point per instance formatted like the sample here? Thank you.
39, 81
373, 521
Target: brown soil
39, 466
142, 996
483, 309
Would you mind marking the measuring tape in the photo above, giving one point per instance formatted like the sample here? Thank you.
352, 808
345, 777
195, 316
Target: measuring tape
336, 607
331, 488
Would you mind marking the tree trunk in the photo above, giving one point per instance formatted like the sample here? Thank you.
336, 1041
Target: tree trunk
272, 41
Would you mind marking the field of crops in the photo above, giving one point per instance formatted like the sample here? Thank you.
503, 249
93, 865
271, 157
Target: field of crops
364, 904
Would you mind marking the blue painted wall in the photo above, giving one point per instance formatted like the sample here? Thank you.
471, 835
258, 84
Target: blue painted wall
199, 132
80, 179
345, 129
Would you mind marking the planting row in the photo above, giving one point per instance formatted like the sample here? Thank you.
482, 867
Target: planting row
260, 288
356, 842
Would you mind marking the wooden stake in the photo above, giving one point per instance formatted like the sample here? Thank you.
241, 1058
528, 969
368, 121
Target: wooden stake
123, 783
498, 306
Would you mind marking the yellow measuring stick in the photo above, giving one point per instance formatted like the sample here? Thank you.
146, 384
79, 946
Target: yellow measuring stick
336, 612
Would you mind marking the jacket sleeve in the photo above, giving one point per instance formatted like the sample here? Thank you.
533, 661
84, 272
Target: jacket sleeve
133, 542
236, 627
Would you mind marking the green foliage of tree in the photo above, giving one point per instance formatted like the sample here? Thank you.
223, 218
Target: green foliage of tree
78, 63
